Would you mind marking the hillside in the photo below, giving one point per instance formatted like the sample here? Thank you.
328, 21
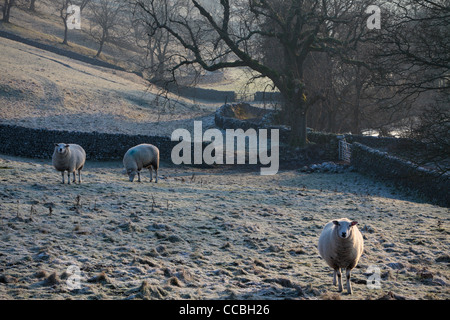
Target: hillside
43, 90
45, 26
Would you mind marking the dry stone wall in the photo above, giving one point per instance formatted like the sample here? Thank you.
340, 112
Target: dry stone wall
39, 143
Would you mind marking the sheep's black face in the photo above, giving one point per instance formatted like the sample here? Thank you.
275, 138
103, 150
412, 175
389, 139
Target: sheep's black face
344, 228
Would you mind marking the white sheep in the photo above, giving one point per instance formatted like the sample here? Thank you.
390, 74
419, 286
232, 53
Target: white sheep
141, 156
69, 157
341, 245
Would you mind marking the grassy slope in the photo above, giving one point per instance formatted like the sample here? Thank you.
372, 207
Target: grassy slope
45, 26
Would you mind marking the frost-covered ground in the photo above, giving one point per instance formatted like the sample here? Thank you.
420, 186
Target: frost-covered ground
209, 234
40, 89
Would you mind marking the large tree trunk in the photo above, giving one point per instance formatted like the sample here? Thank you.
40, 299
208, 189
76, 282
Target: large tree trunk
298, 130
295, 107
292, 87
295, 115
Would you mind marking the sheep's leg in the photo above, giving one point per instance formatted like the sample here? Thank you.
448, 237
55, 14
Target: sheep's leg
334, 277
349, 286
68, 177
62, 175
79, 176
74, 177
151, 173
156, 175
339, 276
139, 176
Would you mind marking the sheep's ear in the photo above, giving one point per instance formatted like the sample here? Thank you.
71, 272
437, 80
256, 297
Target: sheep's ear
335, 223
55, 144
67, 145
354, 223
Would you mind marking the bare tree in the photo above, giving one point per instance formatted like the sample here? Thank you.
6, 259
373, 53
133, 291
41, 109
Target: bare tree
433, 129
32, 5
106, 21
416, 47
159, 46
230, 33
413, 60
158, 49
83, 4
6, 9
400, 69
63, 14
62, 6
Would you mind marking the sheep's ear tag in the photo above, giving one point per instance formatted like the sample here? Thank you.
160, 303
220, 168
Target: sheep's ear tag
353, 223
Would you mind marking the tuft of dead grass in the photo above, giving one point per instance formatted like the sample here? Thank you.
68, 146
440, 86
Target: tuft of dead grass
147, 291
52, 280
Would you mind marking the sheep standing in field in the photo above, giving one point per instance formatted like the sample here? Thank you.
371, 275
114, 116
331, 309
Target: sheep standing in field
69, 157
341, 245
141, 156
